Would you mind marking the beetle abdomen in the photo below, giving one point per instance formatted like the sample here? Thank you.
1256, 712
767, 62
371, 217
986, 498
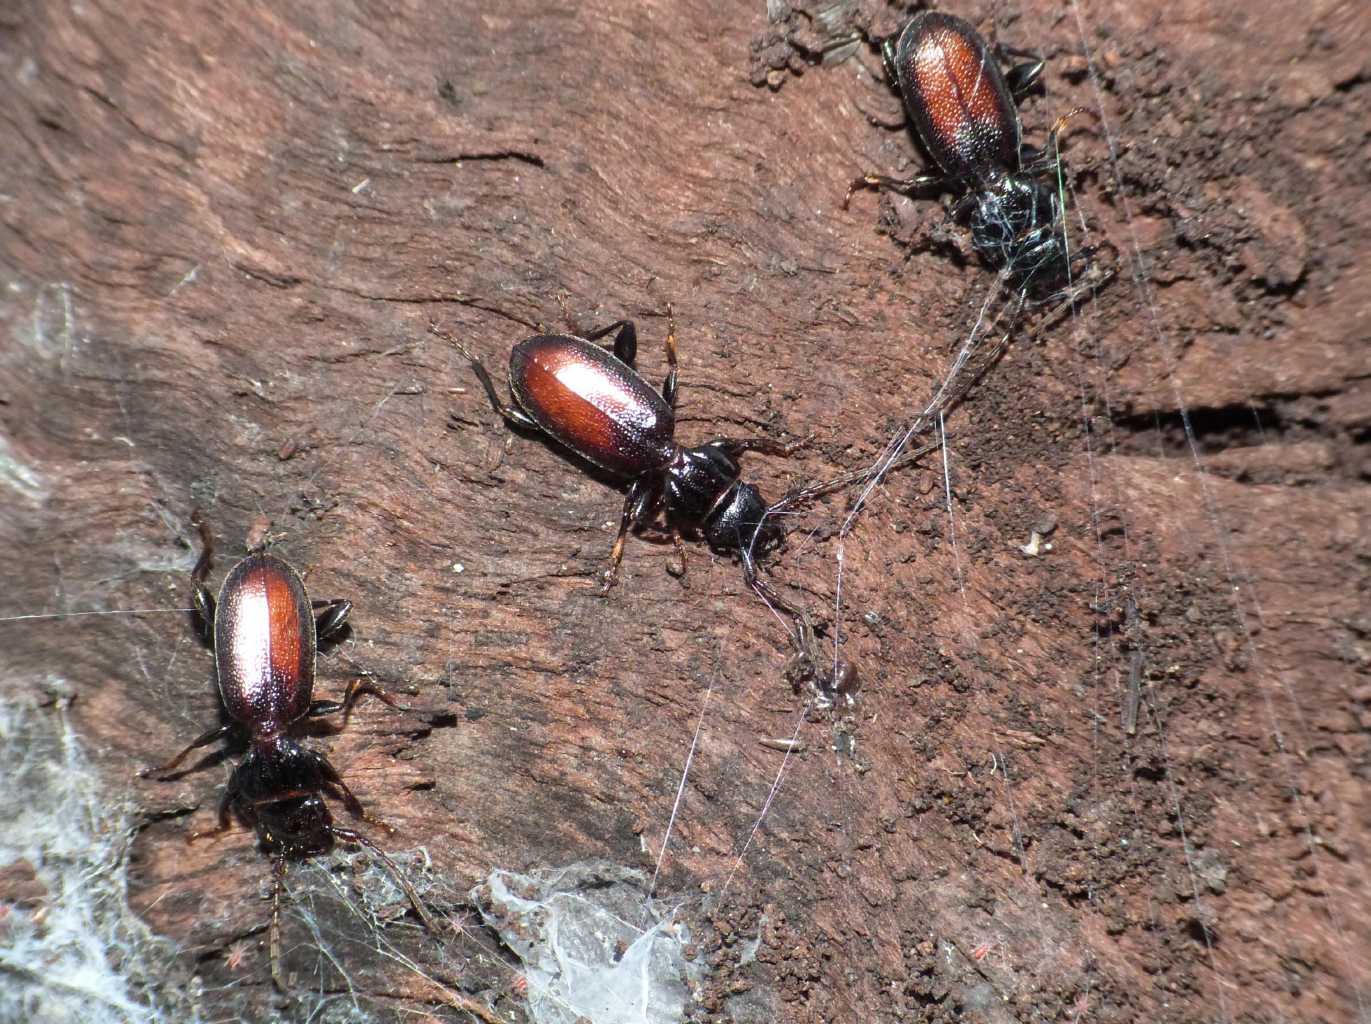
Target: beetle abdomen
956, 96
264, 642
591, 402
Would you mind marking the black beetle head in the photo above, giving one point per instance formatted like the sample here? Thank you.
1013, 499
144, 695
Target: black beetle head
1016, 225
299, 826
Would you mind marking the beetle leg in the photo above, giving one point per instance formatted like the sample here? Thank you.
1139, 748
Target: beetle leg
333, 619
918, 183
1004, 51
225, 819
1031, 158
961, 209
331, 779
669, 386
350, 801
767, 593
512, 415
1037, 162
636, 504
889, 61
1021, 78
1091, 278
678, 568
202, 564
203, 601
278, 883
355, 808
802, 665
356, 689
625, 342
202, 741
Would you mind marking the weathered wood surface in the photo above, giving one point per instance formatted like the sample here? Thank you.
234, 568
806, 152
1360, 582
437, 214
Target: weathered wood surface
224, 231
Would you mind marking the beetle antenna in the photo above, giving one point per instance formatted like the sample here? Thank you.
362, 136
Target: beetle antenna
438, 332
803, 494
1053, 146
348, 835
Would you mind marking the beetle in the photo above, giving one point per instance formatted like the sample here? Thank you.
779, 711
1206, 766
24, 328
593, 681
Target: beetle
964, 110
265, 637
591, 399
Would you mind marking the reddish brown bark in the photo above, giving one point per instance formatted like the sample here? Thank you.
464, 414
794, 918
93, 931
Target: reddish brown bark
224, 232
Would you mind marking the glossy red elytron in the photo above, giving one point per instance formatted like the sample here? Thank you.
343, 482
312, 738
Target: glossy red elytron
592, 403
264, 643
956, 95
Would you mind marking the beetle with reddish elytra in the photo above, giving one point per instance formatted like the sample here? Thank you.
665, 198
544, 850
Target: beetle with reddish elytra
964, 110
265, 639
595, 403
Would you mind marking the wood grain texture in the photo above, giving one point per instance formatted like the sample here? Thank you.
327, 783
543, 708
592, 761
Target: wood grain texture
224, 230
